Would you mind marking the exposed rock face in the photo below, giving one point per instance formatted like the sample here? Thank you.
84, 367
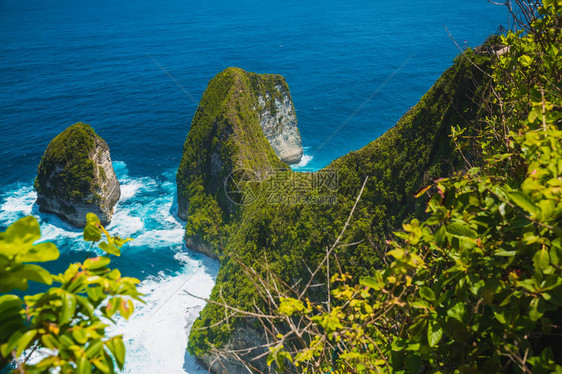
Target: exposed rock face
75, 177
242, 337
278, 121
195, 242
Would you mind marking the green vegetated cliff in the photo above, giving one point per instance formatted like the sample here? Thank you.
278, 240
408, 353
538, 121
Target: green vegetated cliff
69, 149
225, 136
75, 176
299, 214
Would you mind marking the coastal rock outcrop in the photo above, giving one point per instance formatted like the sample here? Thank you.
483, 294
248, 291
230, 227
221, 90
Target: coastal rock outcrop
76, 176
245, 121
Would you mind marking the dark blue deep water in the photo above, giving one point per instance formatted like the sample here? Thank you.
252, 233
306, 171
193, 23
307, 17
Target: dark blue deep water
135, 70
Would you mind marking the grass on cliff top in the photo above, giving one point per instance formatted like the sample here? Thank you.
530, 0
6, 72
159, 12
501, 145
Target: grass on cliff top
68, 152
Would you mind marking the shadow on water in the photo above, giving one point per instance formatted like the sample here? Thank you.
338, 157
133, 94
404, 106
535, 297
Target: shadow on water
174, 210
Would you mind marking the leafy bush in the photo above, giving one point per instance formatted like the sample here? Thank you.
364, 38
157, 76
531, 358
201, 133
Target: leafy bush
64, 327
476, 286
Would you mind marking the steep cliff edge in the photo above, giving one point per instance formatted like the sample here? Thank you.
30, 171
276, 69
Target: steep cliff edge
75, 177
278, 119
245, 121
284, 237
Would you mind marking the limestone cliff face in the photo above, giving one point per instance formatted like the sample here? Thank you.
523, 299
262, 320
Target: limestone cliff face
76, 176
278, 121
244, 336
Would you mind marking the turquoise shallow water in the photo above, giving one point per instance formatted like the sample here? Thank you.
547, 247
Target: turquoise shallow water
136, 70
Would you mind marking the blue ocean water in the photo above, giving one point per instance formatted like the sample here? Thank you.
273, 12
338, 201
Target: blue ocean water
135, 70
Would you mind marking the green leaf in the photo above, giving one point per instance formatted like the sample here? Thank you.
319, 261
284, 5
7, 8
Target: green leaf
289, 306
536, 309
35, 273
457, 312
525, 60
420, 305
110, 248
126, 308
101, 364
10, 344
440, 235
422, 191
500, 315
83, 366
523, 201
49, 341
541, 260
92, 233
24, 341
112, 306
117, 349
68, 307
118, 242
80, 335
427, 293
12, 280
434, 333
41, 252
547, 209
9, 302
96, 263
460, 230
92, 219
396, 253
555, 255
94, 348
370, 282
503, 253
22, 233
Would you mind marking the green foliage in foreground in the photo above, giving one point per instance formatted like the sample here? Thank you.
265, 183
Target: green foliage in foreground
65, 325
477, 286
69, 151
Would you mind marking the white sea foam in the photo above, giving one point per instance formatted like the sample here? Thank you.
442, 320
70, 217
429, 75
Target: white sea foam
125, 223
156, 334
305, 159
17, 202
130, 187
159, 238
303, 162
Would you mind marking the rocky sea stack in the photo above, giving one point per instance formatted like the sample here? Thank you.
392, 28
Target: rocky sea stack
244, 121
75, 177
